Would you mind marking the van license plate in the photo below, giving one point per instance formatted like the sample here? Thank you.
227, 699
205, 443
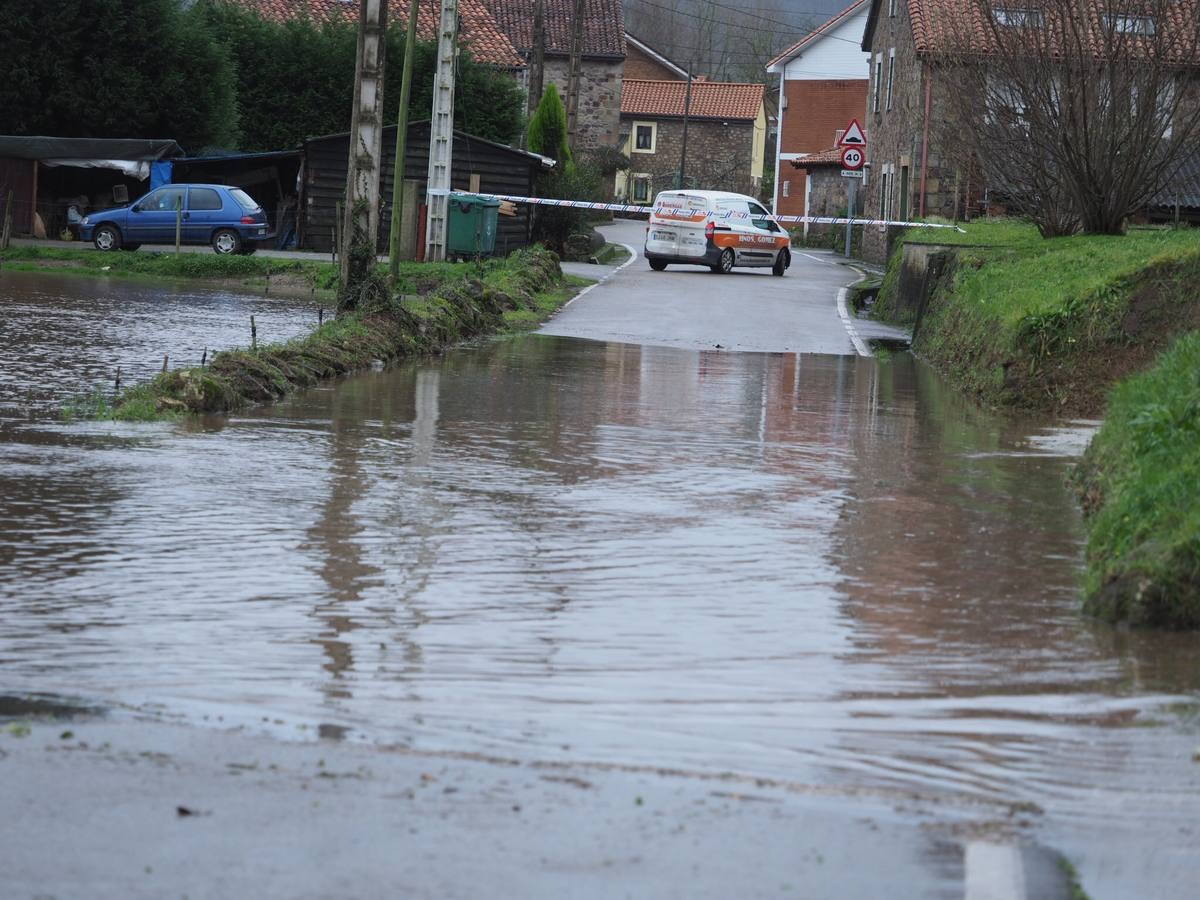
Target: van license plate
663, 236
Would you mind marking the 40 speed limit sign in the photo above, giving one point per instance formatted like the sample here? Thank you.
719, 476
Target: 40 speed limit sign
853, 158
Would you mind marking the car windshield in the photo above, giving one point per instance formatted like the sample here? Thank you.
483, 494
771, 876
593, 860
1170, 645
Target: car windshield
244, 200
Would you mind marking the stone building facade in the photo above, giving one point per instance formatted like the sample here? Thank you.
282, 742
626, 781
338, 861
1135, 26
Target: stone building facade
599, 111
726, 137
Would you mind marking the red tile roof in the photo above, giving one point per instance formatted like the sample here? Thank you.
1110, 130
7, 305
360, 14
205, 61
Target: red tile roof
831, 157
961, 26
817, 33
710, 99
603, 27
481, 34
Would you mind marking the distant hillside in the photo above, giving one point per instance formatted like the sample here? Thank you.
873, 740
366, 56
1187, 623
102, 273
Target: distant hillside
726, 40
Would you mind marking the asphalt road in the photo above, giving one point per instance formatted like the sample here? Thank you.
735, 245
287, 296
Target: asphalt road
689, 306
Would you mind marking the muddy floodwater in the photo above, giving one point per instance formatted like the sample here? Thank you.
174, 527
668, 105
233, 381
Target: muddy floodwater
816, 569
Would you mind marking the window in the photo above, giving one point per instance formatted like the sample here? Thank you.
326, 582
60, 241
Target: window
891, 76
885, 194
244, 200
641, 188
162, 200
1018, 18
1143, 25
204, 198
787, 188
892, 8
760, 218
878, 79
644, 137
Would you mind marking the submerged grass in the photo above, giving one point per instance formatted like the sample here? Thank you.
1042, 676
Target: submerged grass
1140, 485
431, 307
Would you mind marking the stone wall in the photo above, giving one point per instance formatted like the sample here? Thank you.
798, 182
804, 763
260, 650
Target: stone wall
719, 155
895, 135
599, 99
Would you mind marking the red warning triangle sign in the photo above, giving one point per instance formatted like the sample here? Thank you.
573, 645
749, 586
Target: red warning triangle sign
854, 136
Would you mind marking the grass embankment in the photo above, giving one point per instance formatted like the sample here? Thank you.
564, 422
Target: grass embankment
1140, 485
431, 308
1054, 325
1023, 322
258, 271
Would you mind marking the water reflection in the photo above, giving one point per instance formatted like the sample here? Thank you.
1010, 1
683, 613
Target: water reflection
821, 569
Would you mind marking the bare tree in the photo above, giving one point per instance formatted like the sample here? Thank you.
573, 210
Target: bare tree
1079, 111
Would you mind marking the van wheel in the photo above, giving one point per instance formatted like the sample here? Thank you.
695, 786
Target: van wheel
781, 263
725, 263
658, 264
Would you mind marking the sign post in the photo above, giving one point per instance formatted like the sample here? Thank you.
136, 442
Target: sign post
854, 157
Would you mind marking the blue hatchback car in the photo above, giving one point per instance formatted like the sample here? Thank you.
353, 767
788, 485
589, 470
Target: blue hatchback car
226, 217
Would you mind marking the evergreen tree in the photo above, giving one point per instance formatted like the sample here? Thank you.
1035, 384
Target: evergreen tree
548, 127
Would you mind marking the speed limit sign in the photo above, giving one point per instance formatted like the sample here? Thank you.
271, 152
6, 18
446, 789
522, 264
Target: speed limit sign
853, 158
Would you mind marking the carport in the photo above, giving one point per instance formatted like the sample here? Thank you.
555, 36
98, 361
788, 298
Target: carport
46, 175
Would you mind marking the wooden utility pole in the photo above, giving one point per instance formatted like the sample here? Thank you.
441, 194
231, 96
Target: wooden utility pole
537, 57
687, 110
441, 136
360, 227
573, 73
410, 49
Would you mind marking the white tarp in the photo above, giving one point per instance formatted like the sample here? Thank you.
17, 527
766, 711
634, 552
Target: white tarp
139, 169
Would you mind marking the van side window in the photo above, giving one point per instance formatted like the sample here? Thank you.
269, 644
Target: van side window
760, 218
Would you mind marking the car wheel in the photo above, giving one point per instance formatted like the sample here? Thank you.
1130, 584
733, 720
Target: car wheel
724, 263
130, 247
658, 264
782, 261
107, 238
226, 241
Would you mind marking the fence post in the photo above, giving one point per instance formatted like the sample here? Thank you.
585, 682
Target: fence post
6, 228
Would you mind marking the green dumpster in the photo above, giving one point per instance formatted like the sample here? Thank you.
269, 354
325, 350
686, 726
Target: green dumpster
472, 225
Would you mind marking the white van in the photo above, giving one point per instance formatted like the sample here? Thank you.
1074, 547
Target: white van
714, 229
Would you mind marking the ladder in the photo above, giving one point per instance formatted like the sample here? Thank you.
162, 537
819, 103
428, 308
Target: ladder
441, 136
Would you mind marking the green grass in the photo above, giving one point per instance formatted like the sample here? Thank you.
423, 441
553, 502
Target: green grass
1021, 321
1140, 481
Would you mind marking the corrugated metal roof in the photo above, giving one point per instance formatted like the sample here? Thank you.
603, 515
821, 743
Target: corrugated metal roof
1184, 188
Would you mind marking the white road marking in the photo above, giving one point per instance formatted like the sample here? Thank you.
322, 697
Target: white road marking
848, 321
632, 259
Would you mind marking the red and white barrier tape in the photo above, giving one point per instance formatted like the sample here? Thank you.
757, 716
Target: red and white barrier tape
728, 214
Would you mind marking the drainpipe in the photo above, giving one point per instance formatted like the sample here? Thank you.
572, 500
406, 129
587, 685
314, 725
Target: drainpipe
925, 137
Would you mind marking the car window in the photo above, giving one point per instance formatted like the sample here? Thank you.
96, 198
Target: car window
244, 200
203, 198
737, 207
163, 200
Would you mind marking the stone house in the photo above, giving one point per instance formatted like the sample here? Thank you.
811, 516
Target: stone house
823, 81
602, 65
826, 192
726, 137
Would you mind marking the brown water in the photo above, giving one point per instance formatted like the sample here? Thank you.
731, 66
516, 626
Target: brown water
823, 570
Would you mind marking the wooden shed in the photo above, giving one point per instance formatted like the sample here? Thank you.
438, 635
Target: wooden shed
479, 164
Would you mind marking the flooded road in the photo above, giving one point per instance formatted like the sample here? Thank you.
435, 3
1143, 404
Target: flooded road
818, 570
62, 336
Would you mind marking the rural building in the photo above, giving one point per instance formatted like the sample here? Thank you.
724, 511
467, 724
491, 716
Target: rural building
644, 63
47, 175
826, 192
479, 32
823, 85
726, 137
478, 165
602, 64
